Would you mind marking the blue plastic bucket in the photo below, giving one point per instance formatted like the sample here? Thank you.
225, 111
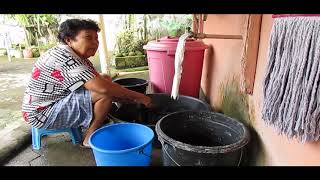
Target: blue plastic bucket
123, 144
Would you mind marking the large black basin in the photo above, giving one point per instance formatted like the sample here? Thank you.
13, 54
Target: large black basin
163, 105
134, 84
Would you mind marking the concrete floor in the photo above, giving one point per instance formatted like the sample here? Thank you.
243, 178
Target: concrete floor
58, 150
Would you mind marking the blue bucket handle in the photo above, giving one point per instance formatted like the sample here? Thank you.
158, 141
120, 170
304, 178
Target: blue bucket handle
141, 151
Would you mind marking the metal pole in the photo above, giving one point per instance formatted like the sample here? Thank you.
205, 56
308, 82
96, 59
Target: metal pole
217, 36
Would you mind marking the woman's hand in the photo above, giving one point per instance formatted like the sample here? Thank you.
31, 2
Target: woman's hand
106, 77
147, 101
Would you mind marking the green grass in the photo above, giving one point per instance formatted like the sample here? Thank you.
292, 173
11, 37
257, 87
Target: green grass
235, 105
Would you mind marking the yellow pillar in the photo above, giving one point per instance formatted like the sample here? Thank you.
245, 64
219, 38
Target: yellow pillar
103, 50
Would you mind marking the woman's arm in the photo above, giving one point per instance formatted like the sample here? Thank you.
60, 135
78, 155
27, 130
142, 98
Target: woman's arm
105, 76
116, 91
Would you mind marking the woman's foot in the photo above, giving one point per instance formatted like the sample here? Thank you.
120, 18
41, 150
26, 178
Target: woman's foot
85, 145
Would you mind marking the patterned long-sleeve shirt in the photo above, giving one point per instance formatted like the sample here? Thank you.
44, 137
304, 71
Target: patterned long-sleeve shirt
55, 75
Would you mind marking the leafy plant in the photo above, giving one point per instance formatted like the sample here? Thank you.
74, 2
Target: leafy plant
129, 44
138, 46
129, 21
167, 25
124, 42
46, 46
175, 27
35, 52
36, 26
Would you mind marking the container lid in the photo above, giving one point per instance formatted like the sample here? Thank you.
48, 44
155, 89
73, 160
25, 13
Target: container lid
170, 44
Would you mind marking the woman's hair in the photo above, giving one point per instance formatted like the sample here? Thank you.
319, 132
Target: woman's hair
71, 27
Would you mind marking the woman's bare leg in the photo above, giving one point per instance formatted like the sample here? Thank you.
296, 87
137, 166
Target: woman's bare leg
101, 107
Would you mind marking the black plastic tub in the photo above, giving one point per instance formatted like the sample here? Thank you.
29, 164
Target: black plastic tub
162, 105
194, 138
134, 84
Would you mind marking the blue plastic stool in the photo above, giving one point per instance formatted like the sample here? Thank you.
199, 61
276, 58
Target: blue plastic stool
37, 133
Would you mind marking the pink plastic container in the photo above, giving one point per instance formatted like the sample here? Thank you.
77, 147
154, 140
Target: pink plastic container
161, 55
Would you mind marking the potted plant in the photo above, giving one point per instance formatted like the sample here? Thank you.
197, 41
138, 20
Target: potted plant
44, 47
35, 52
35, 26
175, 27
171, 26
27, 52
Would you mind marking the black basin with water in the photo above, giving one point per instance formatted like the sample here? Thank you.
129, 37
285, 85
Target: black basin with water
195, 138
134, 84
163, 105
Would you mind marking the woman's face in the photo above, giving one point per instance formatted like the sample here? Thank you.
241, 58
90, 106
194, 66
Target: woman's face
85, 43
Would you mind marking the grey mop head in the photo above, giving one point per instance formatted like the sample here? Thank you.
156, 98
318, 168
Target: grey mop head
291, 92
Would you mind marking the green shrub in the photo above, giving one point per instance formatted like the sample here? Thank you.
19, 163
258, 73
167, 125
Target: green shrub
118, 55
124, 42
127, 43
130, 61
138, 53
132, 53
120, 62
35, 52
